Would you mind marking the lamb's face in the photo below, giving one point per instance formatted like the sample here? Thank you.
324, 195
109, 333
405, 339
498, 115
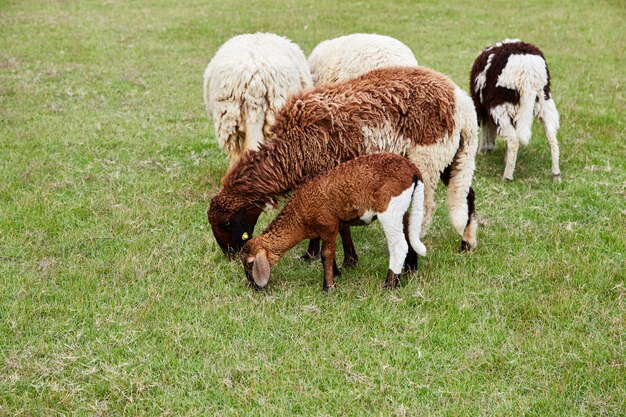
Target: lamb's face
255, 264
231, 226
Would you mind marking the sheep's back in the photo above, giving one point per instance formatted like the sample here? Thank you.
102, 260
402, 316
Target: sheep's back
501, 73
408, 105
340, 59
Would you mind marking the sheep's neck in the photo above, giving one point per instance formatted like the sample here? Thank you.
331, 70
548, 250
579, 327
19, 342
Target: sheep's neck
284, 232
276, 168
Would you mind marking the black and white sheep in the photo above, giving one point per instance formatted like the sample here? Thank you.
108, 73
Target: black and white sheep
510, 84
339, 59
356, 192
246, 83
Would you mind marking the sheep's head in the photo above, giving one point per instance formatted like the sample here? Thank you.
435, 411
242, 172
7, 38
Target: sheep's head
256, 263
232, 222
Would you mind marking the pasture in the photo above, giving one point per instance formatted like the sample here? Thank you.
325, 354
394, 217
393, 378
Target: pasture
116, 300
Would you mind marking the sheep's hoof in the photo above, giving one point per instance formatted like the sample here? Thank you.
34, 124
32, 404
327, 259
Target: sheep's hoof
326, 288
484, 151
310, 257
392, 280
507, 179
349, 262
410, 263
556, 178
466, 246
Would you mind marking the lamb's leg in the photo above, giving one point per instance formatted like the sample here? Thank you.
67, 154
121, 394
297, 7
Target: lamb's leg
487, 136
550, 119
313, 251
328, 261
391, 221
350, 257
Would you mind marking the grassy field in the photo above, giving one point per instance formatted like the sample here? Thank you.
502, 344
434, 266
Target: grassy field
115, 300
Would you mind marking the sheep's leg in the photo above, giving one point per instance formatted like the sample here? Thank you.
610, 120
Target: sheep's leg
328, 261
460, 199
469, 239
550, 119
512, 146
391, 221
508, 132
430, 204
487, 136
336, 270
410, 263
350, 257
313, 251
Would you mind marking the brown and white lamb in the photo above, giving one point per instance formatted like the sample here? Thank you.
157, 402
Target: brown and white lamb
509, 84
356, 192
414, 112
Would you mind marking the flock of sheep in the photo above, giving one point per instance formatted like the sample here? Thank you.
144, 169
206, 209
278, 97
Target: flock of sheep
359, 131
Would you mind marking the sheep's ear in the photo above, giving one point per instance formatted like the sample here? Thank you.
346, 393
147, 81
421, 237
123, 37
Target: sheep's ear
261, 269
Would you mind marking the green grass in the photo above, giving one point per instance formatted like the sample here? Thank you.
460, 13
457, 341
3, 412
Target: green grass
115, 300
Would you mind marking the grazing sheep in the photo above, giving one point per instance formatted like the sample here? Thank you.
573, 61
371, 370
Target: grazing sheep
246, 83
338, 60
509, 84
414, 112
356, 192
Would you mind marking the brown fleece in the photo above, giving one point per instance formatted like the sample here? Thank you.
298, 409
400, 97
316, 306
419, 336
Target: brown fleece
342, 195
318, 129
493, 95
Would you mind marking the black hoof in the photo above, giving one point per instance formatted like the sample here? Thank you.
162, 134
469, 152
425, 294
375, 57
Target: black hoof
309, 257
410, 263
466, 247
392, 281
349, 262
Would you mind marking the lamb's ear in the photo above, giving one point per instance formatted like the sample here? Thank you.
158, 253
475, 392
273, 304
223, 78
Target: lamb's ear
261, 269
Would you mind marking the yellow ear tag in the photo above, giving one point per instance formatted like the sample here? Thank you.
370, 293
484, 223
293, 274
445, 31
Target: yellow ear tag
245, 236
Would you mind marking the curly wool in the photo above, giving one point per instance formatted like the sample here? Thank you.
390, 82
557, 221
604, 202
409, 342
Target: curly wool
413, 112
246, 83
340, 59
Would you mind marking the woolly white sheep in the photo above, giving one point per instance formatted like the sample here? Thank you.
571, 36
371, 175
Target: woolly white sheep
246, 83
356, 192
510, 83
339, 59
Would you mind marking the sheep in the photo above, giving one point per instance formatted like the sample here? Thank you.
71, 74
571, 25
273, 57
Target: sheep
356, 192
509, 84
414, 112
339, 59
246, 83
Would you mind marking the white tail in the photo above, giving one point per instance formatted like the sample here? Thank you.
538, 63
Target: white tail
415, 219
524, 116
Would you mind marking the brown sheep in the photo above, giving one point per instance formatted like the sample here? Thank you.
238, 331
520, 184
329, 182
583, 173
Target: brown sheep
414, 112
356, 192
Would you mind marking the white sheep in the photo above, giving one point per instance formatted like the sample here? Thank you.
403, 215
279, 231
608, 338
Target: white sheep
246, 83
339, 59
356, 192
510, 83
